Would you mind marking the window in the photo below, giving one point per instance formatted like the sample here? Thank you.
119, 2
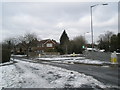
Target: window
38, 45
49, 45
42, 45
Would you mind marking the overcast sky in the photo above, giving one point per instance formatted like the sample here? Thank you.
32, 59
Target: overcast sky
49, 19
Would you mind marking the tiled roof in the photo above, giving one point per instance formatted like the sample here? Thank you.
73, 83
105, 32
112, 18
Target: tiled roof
44, 41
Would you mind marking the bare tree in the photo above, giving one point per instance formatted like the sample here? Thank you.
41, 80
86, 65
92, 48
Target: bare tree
11, 42
104, 40
27, 41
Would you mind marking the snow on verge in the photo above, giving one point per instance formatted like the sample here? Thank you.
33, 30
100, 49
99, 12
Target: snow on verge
19, 55
33, 75
76, 60
61, 58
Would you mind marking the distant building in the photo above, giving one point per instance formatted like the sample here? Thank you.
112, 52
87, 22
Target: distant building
44, 46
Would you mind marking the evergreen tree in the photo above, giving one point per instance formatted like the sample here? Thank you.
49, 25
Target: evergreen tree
118, 43
113, 43
64, 40
109, 42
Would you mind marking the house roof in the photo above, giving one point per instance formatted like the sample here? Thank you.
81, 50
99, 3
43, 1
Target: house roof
47, 40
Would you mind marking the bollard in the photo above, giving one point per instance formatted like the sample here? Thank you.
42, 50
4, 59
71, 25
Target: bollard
39, 55
73, 54
114, 57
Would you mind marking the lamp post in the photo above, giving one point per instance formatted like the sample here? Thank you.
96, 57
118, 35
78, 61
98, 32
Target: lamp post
92, 22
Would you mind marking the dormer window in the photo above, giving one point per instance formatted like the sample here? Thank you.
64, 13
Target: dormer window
49, 45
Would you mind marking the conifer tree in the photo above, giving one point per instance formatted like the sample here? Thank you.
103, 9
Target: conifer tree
64, 40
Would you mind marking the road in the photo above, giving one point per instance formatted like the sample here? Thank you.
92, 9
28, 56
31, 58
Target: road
105, 74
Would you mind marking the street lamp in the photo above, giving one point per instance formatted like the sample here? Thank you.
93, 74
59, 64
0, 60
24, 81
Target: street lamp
92, 21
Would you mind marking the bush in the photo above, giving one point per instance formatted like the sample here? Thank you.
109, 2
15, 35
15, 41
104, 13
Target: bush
50, 50
20, 53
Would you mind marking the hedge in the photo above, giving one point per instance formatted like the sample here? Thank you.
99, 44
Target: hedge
5, 55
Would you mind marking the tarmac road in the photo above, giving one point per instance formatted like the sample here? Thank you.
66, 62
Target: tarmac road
107, 75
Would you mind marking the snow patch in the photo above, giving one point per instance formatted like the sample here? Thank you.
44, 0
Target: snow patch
74, 59
61, 58
6, 63
19, 55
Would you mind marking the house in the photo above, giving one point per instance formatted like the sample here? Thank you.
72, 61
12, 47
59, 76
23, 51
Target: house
44, 46
39, 47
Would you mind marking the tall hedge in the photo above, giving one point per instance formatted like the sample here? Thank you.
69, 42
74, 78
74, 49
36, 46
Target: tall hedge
5, 54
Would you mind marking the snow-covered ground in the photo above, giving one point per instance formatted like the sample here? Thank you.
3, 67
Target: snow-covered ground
19, 55
87, 61
75, 60
6, 63
34, 75
61, 58
69, 59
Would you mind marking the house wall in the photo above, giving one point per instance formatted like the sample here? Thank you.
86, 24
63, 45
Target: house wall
45, 47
